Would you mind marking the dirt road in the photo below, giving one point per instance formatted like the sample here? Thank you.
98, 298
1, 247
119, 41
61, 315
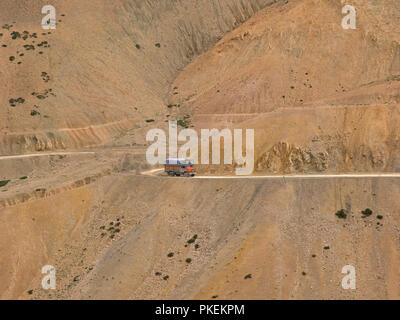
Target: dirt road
292, 176
44, 154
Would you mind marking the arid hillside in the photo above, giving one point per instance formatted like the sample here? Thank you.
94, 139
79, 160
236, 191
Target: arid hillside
107, 67
114, 238
321, 98
76, 192
293, 53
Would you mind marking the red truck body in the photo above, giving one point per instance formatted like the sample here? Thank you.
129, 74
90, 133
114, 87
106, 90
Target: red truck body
179, 167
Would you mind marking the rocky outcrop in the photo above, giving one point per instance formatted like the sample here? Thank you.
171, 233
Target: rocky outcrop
288, 158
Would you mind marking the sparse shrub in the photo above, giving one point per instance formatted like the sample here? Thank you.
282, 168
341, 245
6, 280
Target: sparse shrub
158, 273
43, 44
29, 47
45, 77
158, 45
326, 248
303, 273
214, 297
166, 277
193, 239
43, 95
150, 120
183, 123
188, 260
138, 46
4, 183
341, 214
23, 178
379, 217
170, 255
247, 276
15, 35
366, 213
34, 113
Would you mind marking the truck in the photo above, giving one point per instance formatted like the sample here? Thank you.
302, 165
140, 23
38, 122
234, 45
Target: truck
179, 167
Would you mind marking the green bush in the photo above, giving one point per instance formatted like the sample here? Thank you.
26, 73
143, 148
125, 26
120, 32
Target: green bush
341, 214
15, 35
366, 213
4, 183
29, 47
